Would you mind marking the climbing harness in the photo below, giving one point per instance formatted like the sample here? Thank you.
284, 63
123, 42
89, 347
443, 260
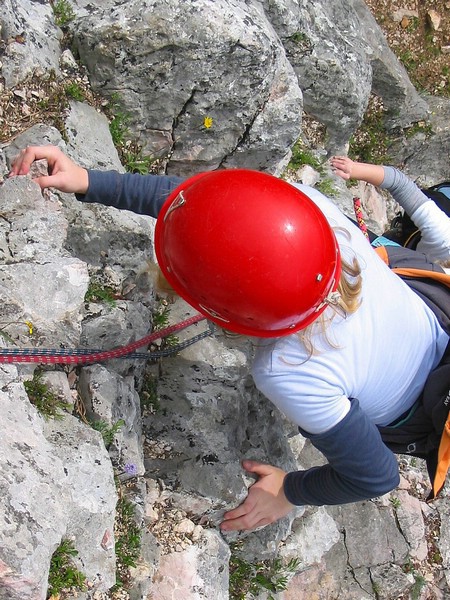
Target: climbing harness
89, 355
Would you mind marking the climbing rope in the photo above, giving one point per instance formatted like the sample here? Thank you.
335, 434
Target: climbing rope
359, 216
89, 355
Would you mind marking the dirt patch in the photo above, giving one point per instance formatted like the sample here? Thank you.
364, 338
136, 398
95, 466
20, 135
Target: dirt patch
418, 32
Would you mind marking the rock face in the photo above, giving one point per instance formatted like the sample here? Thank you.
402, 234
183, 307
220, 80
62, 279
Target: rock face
183, 425
56, 482
251, 67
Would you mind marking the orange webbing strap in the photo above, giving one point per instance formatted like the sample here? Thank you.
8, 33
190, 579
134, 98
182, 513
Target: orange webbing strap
414, 273
444, 445
443, 461
424, 274
382, 253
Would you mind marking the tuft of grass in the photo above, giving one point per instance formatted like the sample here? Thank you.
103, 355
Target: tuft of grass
395, 501
131, 154
302, 156
370, 142
45, 401
149, 394
160, 320
98, 293
135, 161
419, 580
63, 575
75, 91
301, 40
327, 187
128, 541
376, 588
419, 583
419, 127
107, 431
252, 579
408, 59
63, 12
414, 24
118, 125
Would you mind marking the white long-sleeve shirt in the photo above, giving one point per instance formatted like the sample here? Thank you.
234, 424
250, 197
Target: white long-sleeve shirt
433, 223
383, 352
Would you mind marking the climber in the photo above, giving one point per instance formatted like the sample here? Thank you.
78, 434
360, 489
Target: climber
281, 263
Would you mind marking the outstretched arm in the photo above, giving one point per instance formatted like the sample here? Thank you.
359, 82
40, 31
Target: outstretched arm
433, 223
349, 169
64, 174
142, 194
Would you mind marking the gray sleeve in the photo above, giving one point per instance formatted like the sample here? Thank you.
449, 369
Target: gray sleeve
403, 190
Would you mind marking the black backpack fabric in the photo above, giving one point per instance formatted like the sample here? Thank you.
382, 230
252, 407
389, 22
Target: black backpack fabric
418, 432
402, 229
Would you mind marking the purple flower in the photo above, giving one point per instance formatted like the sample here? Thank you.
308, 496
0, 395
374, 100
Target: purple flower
130, 468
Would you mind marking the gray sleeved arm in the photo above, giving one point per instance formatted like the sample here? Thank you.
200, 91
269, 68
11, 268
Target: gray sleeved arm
433, 223
403, 190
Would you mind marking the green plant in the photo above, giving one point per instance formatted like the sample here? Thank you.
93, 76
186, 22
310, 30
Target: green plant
408, 59
301, 40
436, 557
419, 579
326, 186
107, 431
160, 316
45, 401
395, 501
63, 12
118, 125
419, 127
73, 90
433, 49
128, 540
99, 293
135, 162
5, 335
149, 394
413, 24
376, 588
63, 574
370, 142
251, 579
419, 583
160, 320
302, 156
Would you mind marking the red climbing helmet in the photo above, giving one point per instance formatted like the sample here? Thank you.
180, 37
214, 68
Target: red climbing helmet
249, 251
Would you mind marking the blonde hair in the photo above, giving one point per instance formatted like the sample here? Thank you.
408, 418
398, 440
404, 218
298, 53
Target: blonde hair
160, 284
349, 288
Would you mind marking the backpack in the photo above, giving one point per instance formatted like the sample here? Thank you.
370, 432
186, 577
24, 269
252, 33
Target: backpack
402, 229
424, 431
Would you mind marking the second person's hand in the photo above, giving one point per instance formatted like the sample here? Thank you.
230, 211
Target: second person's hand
342, 166
64, 174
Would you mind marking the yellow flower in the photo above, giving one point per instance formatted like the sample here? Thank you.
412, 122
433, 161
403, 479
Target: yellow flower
29, 324
207, 122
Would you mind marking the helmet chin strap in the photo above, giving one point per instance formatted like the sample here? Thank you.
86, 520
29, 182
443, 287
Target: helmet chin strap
332, 299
